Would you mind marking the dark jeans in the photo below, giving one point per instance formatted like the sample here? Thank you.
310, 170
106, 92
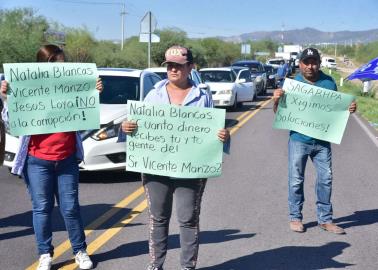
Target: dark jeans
188, 195
49, 179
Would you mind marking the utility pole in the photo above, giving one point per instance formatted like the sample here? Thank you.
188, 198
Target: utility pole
123, 13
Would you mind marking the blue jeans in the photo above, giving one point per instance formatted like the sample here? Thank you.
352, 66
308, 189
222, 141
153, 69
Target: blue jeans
321, 156
47, 180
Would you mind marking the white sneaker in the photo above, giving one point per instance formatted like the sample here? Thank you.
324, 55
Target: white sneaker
45, 262
83, 260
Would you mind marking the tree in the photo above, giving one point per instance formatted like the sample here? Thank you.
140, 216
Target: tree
21, 33
79, 44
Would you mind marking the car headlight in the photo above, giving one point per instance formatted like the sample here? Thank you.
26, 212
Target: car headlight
225, 92
107, 132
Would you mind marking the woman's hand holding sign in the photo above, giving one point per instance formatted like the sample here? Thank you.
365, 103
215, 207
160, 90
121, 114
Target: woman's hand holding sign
3, 91
99, 85
129, 127
223, 135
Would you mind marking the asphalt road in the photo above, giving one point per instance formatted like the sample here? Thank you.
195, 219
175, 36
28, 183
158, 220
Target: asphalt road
244, 222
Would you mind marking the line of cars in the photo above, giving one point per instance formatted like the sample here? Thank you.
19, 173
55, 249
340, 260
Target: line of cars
230, 87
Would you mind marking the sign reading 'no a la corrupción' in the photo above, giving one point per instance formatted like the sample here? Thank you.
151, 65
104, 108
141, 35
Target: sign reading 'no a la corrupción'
52, 97
313, 111
176, 141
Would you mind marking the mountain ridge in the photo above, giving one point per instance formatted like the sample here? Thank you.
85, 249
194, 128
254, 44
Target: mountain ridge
307, 35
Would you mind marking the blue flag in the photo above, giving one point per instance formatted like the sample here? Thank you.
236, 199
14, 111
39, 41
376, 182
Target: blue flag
368, 71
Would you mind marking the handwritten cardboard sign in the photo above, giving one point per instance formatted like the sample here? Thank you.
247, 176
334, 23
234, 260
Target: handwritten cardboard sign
316, 112
52, 97
176, 141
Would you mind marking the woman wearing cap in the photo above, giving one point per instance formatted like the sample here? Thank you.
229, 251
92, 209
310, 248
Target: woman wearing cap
179, 90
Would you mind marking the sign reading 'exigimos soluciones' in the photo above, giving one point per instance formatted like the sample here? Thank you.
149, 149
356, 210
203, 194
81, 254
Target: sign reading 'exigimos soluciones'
52, 97
316, 112
177, 141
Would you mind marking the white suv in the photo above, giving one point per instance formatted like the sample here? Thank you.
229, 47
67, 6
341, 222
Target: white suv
101, 150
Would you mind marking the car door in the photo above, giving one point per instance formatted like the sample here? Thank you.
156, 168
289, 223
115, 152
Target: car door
244, 89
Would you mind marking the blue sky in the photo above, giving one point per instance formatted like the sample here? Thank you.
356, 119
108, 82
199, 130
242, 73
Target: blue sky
205, 18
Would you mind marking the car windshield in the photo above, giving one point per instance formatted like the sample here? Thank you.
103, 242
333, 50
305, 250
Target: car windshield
253, 67
217, 76
276, 62
119, 89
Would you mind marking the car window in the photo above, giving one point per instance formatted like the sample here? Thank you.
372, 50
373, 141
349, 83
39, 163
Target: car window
269, 69
163, 74
245, 74
148, 84
217, 76
119, 89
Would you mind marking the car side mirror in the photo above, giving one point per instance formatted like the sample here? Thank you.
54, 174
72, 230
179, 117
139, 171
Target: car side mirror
241, 80
203, 86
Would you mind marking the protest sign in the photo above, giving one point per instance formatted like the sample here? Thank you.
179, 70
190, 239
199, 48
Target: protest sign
52, 97
313, 111
176, 141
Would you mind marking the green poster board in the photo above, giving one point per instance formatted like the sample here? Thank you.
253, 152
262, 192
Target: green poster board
52, 97
313, 111
176, 141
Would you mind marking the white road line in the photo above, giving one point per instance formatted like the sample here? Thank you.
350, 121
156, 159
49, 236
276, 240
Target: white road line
368, 132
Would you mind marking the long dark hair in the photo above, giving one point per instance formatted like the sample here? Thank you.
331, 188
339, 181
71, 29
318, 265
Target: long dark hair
49, 53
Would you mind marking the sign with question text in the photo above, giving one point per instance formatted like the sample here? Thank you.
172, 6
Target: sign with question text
175, 141
52, 97
313, 111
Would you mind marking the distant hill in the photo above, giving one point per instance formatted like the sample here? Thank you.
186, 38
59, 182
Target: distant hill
308, 36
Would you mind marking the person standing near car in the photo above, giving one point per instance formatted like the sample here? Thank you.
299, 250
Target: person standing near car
302, 147
49, 165
178, 90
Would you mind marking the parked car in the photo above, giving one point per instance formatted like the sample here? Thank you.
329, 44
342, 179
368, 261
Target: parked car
101, 150
271, 73
194, 75
229, 87
328, 62
258, 74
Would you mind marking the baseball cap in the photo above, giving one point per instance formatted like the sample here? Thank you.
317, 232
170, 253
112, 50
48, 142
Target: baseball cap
178, 54
310, 53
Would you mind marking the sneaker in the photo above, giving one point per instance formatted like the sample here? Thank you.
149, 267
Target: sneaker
151, 267
45, 262
332, 228
296, 226
82, 259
